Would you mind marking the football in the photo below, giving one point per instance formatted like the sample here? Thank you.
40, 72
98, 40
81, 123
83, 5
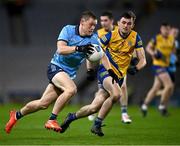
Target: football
97, 54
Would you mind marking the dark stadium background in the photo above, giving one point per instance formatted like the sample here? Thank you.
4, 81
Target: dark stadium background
28, 33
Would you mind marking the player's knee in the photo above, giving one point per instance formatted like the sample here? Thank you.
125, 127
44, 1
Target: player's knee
169, 86
71, 91
123, 87
154, 89
115, 97
94, 108
43, 104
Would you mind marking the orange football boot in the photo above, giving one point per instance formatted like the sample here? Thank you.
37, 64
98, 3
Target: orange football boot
12, 121
53, 125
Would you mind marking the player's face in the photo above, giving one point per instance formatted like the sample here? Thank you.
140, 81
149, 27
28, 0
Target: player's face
106, 23
88, 26
165, 30
125, 25
174, 32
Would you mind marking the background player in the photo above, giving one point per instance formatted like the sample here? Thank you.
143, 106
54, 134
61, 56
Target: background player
72, 47
119, 55
160, 48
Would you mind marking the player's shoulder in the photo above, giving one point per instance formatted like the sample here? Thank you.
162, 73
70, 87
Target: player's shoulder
134, 33
134, 36
158, 36
100, 30
69, 27
171, 37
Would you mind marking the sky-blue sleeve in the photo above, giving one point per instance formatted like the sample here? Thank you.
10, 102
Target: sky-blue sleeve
64, 36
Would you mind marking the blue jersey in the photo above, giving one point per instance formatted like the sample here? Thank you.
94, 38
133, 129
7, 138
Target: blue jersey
71, 62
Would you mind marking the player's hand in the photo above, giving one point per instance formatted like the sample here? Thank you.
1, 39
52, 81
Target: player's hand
158, 54
86, 49
91, 75
113, 75
134, 61
132, 70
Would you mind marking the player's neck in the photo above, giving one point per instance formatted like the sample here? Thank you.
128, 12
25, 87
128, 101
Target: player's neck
111, 28
124, 35
164, 36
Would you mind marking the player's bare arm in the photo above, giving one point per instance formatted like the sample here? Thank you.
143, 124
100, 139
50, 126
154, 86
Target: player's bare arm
141, 57
63, 49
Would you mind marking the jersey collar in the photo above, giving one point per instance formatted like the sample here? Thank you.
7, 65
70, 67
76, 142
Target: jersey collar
123, 36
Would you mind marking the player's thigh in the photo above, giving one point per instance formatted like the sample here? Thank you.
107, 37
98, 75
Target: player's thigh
112, 89
157, 83
165, 79
63, 81
50, 94
100, 96
124, 84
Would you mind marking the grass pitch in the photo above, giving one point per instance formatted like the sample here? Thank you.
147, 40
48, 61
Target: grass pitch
152, 130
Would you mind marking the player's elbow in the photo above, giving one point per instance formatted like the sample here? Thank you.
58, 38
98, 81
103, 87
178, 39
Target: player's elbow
142, 63
60, 50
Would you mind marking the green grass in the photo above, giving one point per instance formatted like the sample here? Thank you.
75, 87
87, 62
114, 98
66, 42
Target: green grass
152, 130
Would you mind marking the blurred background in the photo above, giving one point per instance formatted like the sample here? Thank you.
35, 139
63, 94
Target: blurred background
28, 34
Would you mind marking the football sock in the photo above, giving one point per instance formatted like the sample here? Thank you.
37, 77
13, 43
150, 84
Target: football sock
161, 107
144, 107
123, 109
18, 115
98, 122
72, 117
53, 117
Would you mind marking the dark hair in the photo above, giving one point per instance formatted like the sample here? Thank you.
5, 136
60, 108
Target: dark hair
129, 15
88, 14
165, 24
108, 14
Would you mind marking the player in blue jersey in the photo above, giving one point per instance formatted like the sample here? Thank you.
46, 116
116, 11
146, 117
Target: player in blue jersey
74, 43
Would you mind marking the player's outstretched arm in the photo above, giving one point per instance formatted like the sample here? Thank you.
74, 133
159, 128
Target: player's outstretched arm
150, 49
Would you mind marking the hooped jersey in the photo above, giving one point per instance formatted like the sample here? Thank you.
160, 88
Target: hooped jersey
165, 46
119, 50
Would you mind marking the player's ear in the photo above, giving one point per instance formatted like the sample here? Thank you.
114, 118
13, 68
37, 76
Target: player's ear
82, 21
118, 22
112, 21
133, 25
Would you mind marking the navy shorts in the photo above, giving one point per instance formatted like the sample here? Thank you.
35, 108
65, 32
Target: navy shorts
52, 71
102, 74
158, 69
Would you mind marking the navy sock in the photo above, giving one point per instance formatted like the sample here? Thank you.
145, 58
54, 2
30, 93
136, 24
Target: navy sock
18, 115
72, 117
98, 122
53, 117
124, 109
